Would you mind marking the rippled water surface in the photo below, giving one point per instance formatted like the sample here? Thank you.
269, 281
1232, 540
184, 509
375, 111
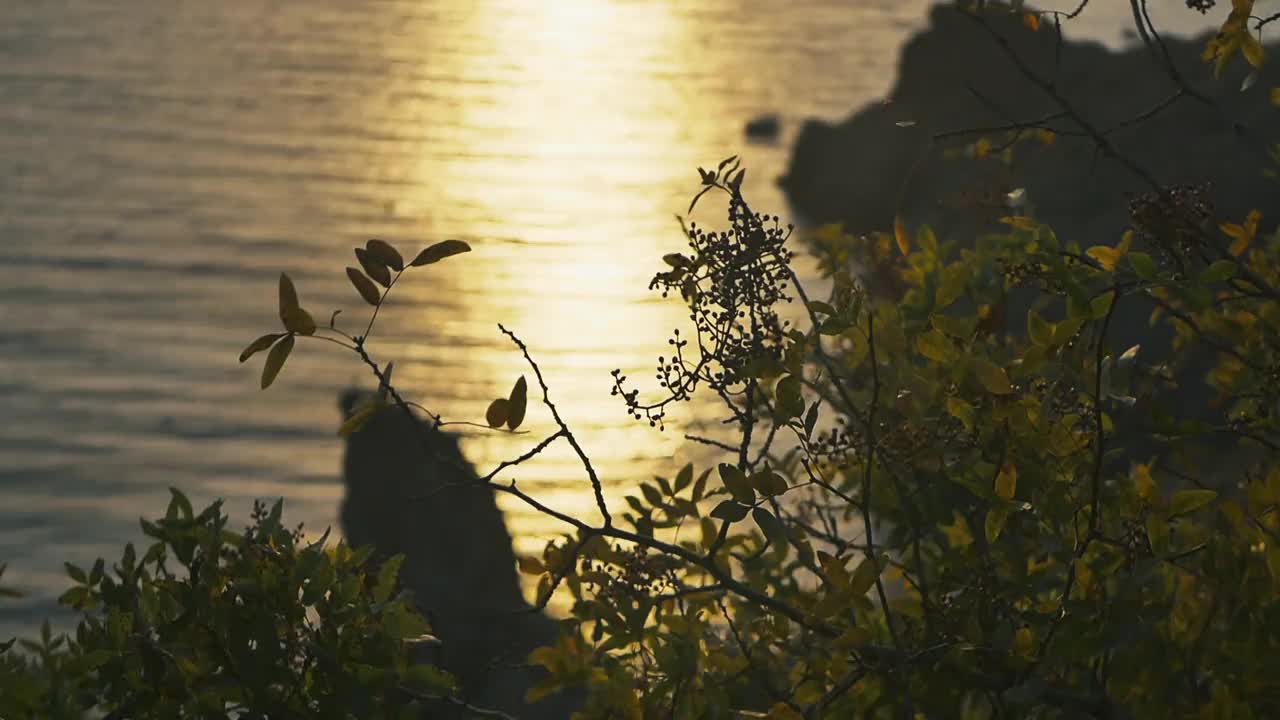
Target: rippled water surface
160, 163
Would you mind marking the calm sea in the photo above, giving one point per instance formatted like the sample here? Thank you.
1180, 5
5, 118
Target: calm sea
162, 162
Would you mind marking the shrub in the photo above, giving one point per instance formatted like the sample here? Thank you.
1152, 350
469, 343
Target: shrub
931, 501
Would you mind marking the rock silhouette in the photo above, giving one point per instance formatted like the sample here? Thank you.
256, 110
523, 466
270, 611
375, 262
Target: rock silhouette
459, 563
880, 161
887, 160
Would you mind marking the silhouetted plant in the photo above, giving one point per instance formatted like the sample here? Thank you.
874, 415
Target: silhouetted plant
953, 512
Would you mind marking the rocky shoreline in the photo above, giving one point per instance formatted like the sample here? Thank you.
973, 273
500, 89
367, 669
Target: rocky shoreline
891, 158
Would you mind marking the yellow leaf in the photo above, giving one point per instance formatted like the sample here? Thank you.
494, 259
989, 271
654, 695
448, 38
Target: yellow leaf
1143, 484
1242, 235
1275, 96
1187, 501
275, 360
961, 411
1046, 136
1273, 563
958, 534
992, 377
864, 577
900, 235
996, 519
1084, 575
1006, 481
1020, 222
1031, 20
361, 417
782, 711
981, 148
1251, 49
1106, 257
933, 345
1024, 642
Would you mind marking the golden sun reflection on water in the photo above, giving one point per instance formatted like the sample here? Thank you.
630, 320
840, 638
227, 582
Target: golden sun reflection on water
588, 159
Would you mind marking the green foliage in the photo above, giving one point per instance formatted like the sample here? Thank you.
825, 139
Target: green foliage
974, 491
208, 622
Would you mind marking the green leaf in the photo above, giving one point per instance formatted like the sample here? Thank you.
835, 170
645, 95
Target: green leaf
992, 376
1006, 481
737, 484
440, 251
1218, 271
1158, 535
387, 576
516, 403
934, 345
962, 411
864, 577
288, 297
373, 268
259, 345
1040, 332
770, 526
729, 510
956, 327
179, 501
1186, 501
76, 573
1099, 306
1067, 329
382, 251
364, 286
997, 517
1142, 264
275, 361
497, 413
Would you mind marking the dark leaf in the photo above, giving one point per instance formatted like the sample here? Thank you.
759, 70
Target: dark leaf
382, 251
684, 477
288, 297
300, 321
259, 345
497, 413
364, 286
737, 484
770, 526
275, 360
516, 403
729, 510
373, 267
440, 251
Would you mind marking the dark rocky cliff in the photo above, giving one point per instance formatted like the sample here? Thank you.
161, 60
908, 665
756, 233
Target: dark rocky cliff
954, 75
459, 563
